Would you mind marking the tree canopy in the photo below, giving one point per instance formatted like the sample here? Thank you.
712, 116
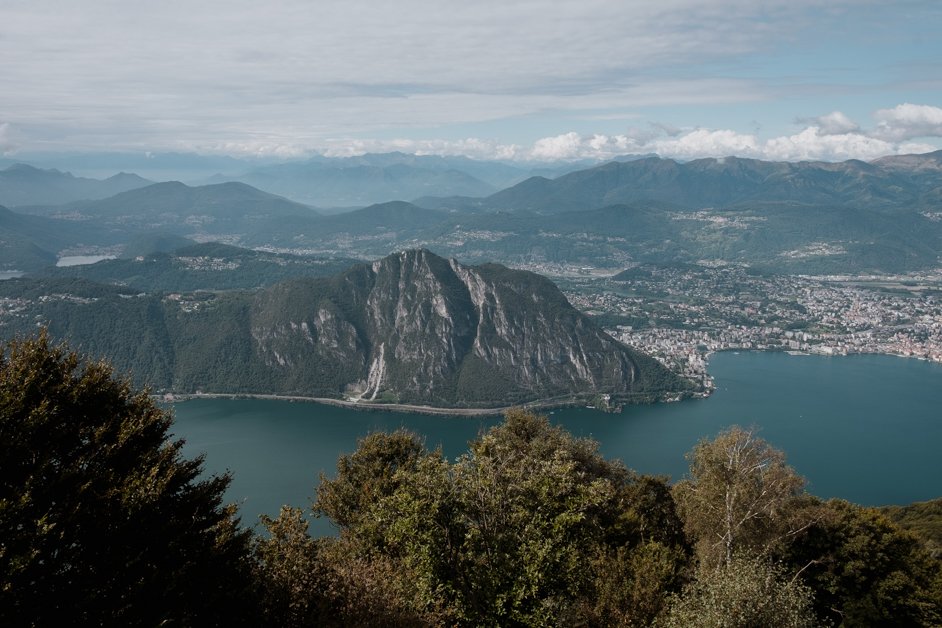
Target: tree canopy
102, 520
532, 527
527, 528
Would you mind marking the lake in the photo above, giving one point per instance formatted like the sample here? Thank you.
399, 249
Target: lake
81, 260
865, 428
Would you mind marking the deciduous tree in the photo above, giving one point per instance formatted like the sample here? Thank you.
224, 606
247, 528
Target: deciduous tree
736, 495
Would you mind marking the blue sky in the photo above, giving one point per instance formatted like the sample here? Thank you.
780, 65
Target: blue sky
490, 79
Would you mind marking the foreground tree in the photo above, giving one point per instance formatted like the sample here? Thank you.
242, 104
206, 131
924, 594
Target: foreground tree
743, 506
865, 570
531, 527
289, 573
737, 496
102, 520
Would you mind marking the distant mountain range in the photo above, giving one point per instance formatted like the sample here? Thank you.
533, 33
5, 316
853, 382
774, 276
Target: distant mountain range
375, 178
226, 211
21, 184
807, 217
411, 328
173, 202
132, 219
30, 242
912, 181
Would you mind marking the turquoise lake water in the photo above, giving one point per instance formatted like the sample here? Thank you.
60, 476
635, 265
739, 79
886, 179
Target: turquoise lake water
864, 428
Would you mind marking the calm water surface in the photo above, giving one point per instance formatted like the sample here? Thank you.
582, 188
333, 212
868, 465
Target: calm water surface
864, 428
81, 260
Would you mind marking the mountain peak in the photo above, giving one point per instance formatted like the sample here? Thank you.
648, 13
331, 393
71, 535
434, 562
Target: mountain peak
127, 177
434, 331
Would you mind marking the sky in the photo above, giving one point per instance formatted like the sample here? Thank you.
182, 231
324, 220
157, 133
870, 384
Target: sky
490, 79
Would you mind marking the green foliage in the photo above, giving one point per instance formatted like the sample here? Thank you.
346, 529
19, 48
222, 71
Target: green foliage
633, 584
743, 593
289, 573
924, 519
101, 518
865, 570
367, 475
307, 582
529, 528
742, 501
532, 498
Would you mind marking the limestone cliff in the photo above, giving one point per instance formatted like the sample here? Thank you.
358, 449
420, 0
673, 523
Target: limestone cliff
416, 328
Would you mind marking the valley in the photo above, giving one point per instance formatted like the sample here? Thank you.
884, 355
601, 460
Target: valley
676, 260
776, 217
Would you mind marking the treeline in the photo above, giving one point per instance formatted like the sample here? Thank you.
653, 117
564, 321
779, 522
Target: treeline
102, 521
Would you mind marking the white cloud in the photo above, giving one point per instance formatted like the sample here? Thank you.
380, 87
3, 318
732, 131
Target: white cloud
831, 137
706, 143
908, 121
562, 147
811, 144
834, 123
572, 146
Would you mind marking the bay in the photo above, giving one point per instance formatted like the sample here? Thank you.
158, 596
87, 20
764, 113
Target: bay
865, 428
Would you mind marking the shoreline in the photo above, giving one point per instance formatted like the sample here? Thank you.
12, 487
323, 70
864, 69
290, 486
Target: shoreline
546, 404
354, 405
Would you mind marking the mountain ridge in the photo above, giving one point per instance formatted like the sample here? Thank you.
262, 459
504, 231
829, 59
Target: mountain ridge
23, 184
410, 328
712, 182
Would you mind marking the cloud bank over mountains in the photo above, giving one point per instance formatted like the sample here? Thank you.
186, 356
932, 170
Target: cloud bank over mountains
830, 137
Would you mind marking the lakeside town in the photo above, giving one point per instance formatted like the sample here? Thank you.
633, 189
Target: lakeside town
682, 314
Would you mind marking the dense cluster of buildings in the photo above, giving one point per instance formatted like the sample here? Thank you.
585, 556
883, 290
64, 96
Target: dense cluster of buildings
681, 315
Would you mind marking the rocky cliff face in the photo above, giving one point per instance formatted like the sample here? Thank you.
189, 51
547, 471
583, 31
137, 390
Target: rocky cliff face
414, 327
